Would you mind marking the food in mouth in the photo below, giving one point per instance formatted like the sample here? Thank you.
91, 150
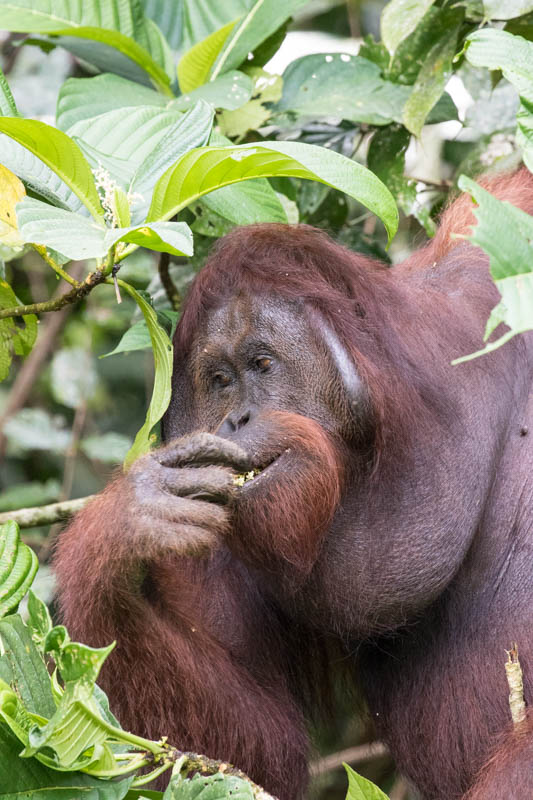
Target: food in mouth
245, 477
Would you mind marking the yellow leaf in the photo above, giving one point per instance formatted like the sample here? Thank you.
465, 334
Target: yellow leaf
11, 192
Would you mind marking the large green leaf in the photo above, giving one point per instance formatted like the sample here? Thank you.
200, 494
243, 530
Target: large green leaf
18, 565
432, 78
513, 55
8, 106
505, 233
262, 19
196, 64
33, 781
78, 237
115, 23
162, 350
399, 18
212, 787
60, 154
202, 17
360, 788
205, 169
28, 670
81, 99
191, 130
15, 339
340, 85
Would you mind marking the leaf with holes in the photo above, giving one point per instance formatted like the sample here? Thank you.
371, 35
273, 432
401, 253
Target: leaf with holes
505, 233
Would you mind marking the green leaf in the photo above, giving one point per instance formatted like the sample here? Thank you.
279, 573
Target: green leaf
213, 787
164, 237
513, 55
33, 781
495, 9
262, 20
162, 349
386, 158
189, 131
8, 107
71, 234
246, 203
432, 79
340, 85
505, 233
18, 565
202, 17
38, 176
251, 116
73, 376
60, 154
204, 169
360, 788
109, 448
78, 237
40, 623
15, 338
411, 54
28, 494
30, 676
196, 64
399, 18
113, 23
35, 429
81, 99
230, 91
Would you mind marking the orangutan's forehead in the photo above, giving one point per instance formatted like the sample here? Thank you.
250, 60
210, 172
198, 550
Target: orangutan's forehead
262, 316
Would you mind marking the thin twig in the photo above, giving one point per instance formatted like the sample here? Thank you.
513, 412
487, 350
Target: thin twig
41, 249
353, 755
76, 293
168, 284
45, 515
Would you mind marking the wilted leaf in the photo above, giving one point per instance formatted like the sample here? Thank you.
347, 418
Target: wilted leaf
11, 191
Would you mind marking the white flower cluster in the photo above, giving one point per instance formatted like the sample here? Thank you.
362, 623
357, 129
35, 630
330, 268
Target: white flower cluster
500, 145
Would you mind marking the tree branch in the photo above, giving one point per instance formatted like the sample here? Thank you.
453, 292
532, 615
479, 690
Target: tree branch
168, 284
353, 755
45, 515
76, 293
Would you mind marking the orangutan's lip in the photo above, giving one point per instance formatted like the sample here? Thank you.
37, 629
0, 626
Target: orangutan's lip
246, 478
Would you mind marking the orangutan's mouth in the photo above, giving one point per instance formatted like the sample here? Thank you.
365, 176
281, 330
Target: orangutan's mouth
245, 478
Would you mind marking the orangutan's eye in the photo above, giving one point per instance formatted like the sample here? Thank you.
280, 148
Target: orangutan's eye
263, 364
221, 379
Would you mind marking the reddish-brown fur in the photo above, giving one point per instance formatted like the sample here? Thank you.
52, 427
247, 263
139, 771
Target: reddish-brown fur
360, 543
